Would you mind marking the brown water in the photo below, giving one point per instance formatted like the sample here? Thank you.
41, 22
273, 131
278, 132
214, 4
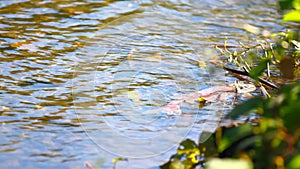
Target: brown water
85, 80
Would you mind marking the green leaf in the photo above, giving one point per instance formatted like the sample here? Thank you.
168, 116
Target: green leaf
257, 71
292, 16
289, 110
285, 4
294, 163
234, 135
296, 4
187, 144
228, 164
246, 107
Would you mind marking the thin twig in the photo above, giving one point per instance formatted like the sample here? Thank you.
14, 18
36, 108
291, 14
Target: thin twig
246, 73
265, 92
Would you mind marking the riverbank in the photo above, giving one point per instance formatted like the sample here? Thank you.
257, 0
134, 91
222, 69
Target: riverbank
271, 138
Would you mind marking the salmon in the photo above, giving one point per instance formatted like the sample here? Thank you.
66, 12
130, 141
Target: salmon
207, 94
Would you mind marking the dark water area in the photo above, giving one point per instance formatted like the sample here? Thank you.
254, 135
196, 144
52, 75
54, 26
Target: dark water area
85, 80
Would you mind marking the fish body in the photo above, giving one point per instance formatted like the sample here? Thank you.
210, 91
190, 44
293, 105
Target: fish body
207, 94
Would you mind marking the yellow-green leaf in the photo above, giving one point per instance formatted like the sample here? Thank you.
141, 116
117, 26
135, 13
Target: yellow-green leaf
294, 163
296, 4
292, 16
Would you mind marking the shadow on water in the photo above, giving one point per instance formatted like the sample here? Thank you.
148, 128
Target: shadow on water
85, 80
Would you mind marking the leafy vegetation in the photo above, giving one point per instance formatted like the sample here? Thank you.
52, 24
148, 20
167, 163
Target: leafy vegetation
281, 56
292, 15
272, 142
273, 139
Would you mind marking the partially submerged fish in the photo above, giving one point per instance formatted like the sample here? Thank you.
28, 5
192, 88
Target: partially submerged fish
173, 108
212, 94
207, 94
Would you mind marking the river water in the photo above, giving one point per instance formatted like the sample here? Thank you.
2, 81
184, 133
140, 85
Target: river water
86, 80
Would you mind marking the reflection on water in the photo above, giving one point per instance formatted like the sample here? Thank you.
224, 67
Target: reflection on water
76, 73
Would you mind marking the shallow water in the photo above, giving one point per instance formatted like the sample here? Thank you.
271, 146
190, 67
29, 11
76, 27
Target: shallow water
86, 80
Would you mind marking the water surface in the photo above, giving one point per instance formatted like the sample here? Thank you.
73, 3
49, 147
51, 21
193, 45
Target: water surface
85, 80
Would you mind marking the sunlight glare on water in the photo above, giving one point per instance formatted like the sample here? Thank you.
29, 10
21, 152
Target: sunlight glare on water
87, 80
